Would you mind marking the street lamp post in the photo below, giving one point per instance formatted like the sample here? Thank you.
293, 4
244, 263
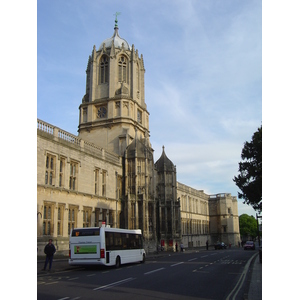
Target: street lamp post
258, 217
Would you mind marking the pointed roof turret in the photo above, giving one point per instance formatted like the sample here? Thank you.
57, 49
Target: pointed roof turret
164, 162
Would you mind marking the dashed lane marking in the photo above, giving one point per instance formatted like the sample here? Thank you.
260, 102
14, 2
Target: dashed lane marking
108, 286
177, 264
192, 259
51, 282
154, 271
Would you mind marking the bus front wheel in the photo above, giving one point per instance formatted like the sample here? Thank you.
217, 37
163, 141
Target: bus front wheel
118, 262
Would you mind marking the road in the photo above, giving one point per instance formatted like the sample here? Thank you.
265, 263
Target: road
213, 274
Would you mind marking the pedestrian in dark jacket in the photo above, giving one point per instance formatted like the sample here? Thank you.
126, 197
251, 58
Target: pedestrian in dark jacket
49, 250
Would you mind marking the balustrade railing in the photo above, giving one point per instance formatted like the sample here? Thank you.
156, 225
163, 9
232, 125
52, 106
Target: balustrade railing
221, 195
41, 125
73, 139
68, 137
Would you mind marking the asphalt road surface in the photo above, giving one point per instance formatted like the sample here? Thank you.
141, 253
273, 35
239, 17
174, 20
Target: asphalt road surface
213, 274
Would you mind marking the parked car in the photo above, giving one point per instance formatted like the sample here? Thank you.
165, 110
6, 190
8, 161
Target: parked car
220, 245
249, 245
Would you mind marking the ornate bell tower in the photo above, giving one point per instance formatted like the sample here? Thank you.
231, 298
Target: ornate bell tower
113, 110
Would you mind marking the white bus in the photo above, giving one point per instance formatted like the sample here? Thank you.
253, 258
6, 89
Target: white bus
105, 246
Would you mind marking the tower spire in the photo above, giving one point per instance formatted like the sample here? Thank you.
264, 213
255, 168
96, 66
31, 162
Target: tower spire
116, 19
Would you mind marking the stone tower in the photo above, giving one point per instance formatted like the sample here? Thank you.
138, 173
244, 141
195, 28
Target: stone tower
114, 116
168, 206
138, 205
113, 110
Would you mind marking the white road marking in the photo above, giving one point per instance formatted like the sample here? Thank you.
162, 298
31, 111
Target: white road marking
177, 264
241, 280
192, 259
104, 287
153, 271
51, 282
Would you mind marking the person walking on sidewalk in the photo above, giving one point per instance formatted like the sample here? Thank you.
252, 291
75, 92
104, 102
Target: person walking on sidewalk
49, 250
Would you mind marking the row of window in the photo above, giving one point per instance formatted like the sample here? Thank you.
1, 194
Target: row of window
122, 241
48, 218
104, 70
122, 70
72, 218
195, 227
72, 175
193, 205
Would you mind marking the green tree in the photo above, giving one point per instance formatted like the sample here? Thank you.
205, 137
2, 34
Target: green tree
249, 180
248, 226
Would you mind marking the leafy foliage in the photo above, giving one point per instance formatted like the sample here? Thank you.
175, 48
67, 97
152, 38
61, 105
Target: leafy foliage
248, 226
249, 180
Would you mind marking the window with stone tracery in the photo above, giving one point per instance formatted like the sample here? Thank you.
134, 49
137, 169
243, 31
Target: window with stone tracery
122, 66
96, 181
48, 219
73, 176
87, 213
104, 174
103, 70
139, 116
60, 219
62, 164
72, 218
50, 170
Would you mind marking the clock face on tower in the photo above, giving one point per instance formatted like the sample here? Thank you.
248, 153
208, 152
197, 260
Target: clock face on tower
102, 111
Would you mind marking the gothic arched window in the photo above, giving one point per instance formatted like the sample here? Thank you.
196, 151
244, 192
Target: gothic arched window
103, 70
122, 65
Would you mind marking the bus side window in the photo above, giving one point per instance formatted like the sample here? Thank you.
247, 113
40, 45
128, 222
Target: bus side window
109, 241
117, 241
125, 240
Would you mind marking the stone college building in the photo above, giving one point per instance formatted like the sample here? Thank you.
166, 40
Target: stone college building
107, 173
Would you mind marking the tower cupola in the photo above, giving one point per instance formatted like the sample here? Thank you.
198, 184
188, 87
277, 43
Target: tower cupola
115, 40
113, 108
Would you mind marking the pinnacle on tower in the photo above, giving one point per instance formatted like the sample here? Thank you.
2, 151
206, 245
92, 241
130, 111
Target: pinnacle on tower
116, 19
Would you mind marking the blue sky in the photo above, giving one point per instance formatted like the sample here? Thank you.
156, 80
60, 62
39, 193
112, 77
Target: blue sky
203, 79
203, 91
